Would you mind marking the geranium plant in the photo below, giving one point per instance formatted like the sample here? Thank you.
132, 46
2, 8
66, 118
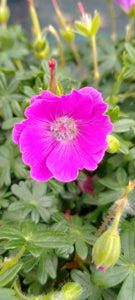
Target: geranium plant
67, 158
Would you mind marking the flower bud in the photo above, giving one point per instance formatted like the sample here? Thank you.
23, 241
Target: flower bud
40, 44
4, 14
67, 34
132, 11
87, 26
71, 291
53, 296
113, 144
43, 53
54, 86
106, 250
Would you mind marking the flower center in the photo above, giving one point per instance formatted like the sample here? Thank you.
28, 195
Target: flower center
64, 129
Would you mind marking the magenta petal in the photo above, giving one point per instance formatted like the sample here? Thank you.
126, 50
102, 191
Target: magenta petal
46, 95
101, 268
97, 99
98, 156
77, 106
35, 142
17, 130
44, 111
93, 138
86, 157
63, 134
125, 4
40, 172
64, 162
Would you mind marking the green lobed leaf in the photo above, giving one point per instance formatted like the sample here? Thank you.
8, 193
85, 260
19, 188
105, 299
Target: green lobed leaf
7, 294
81, 249
110, 277
128, 288
9, 274
123, 125
89, 291
51, 239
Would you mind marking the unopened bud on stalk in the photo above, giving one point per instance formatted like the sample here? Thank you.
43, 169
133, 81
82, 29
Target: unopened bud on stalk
132, 11
41, 48
87, 26
106, 250
54, 86
70, 291
40, 44
113, 144
68, 33
4, 12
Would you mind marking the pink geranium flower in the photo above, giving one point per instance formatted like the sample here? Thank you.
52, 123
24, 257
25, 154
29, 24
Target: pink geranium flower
63, 134
125, 4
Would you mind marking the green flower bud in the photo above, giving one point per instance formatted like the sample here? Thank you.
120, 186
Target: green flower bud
132, 11
113, 144
4, 14
54, 86
54, 296
67, 34
72, 291
40, 44
42, 54
106, 250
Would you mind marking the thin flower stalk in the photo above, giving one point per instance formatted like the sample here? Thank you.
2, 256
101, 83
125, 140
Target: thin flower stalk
122, 204
20, 294
55, 34
34, 17
106, 220
96, 72
41, 47
68, 34
119, 203
129, 29
89, 27
113, 23
77, 56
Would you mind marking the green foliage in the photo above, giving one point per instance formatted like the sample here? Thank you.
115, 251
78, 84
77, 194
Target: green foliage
34, 198
9, 274
7, 294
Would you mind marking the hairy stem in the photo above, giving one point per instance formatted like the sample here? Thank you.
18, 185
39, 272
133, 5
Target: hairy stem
54, 32
96, 72
113, 23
